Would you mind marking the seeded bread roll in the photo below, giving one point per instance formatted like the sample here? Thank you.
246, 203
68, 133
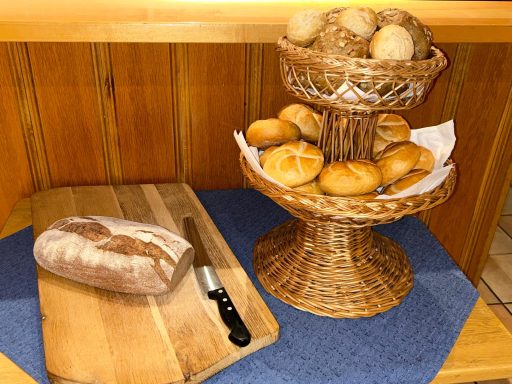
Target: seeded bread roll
305, 118
392, 42
405, 182
265, 133
264, 156
294, 163
304, 26
397, 160
426, 161
336, 40
114, 254
420, 33
360, 20
350, 178
312, 187
390, 129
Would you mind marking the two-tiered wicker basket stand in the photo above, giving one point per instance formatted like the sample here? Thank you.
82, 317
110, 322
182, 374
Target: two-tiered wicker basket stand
328, 261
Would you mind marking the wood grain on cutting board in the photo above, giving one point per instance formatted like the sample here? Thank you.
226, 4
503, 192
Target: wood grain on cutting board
94, 335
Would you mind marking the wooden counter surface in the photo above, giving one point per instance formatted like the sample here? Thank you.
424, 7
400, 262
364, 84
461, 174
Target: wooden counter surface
228, 21
480, 352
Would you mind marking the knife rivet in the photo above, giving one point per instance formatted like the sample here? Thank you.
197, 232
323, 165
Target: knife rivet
224, 299
230, 308
220, 291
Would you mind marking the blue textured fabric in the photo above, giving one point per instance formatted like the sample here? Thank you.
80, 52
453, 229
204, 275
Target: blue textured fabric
407, 344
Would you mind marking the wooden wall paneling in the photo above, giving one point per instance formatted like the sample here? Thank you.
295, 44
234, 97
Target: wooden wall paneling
15, 176
481, 104
144, 112
29, 115
181, 108
102, 61
273, 94
71, 118
216, 76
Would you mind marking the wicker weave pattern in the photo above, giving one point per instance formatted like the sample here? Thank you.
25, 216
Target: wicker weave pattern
309, 265
370, 84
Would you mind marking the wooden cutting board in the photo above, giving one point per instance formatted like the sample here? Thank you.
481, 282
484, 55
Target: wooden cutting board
95, 336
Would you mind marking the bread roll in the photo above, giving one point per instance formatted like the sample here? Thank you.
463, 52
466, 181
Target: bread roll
264, 156
366, 196
350, 178
426, 161
304, 26
396, 160
392, 42
265, 133
312, 187
360, 20
420, 33
405, 182
336, 40
390, 129
114, 254
294, 163
305, 118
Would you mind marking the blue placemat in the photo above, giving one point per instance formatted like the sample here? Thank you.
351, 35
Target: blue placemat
407, 344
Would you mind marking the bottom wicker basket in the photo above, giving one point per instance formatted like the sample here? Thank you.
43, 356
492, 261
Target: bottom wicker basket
328, 261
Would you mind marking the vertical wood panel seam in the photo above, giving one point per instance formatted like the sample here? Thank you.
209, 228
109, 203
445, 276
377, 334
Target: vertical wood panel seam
21, 71
181, 111
498, 152
102, 62
253, 86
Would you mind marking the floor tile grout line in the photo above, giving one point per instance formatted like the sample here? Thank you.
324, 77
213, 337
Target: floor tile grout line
500, 254
492, 291
504, 230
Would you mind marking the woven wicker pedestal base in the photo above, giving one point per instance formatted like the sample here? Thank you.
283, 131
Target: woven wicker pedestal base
343, 276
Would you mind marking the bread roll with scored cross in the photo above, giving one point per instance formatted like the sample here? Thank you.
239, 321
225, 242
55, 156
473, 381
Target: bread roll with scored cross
350, 178
307, 119
390, 128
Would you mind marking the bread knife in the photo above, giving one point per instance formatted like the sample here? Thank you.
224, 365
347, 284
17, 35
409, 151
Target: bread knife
212, 286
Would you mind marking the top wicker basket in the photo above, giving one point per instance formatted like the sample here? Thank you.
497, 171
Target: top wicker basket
355, 84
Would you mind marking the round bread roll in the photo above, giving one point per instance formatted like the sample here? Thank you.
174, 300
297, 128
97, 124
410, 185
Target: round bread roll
392, 42
305, 118
350, 178
294, 163
426, 161
336, 40
264, 156
265, 133
360, 20
396, 160
420, 33
405, 182
304, 26
312, 187
390, 129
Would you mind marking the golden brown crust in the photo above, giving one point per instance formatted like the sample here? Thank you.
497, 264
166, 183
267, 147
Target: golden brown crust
350, 178
305, 118
392, 42
426, 160
405, 182
269, 132
312, 187
397, 160
390, 128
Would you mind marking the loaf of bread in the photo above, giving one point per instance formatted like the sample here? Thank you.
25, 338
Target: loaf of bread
397, 160
304, 26
266, 153
266, 133
405, 182
312, 187
390, 128
305, 118
350, 178
426, 161
392, 42
421, 34
336, 40
114, 254
295, 163
360, 20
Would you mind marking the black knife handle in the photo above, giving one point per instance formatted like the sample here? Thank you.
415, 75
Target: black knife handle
239, 333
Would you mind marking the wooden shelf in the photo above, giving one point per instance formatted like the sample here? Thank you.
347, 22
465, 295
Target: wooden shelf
228, 21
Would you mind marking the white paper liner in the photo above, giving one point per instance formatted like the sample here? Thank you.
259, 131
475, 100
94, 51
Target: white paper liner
439, 139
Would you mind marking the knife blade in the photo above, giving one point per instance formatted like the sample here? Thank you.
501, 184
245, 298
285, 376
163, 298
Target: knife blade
212, 286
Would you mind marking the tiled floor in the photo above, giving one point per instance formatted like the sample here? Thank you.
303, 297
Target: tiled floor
496, 283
